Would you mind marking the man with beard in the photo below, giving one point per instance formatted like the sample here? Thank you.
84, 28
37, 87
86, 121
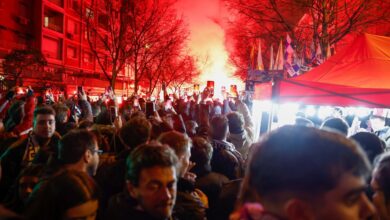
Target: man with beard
36, 148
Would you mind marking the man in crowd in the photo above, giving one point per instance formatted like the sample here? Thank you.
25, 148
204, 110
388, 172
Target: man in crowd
241, 129
209, 182
36, 148
78, 150
151, 185
191, 203
226, 159
336, 124
299, 172
111, 177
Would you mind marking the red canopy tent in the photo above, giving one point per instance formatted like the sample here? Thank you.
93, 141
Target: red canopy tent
357, 76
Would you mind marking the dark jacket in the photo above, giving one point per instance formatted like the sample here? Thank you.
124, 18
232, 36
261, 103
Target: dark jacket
111, 179
211, 184
188, 206
227, 200
122, 207
226, 160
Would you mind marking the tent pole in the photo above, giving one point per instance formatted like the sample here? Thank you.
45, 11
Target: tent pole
274, 100
270, 116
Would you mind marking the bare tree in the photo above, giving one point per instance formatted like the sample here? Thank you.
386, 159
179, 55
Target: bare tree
165, 46
19, 62
306, 21
180, 71
156, 33
107, 24
132, 32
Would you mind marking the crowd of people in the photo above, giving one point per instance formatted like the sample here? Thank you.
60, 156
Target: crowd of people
191, 157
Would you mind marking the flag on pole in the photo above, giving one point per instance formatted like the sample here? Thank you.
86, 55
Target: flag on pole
252, 58
313, 51
305, 56
319, 51
288, 55
278, 65
328, 53
260, 65
290, 65
271, 58
317, 59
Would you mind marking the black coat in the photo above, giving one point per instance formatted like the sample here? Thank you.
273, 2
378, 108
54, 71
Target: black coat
122, 207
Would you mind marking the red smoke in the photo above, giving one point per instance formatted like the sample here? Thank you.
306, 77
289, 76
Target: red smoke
206, 20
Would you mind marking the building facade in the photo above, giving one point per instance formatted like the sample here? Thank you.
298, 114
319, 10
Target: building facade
57, 29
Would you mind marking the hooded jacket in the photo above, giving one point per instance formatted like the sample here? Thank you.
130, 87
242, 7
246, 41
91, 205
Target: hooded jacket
243, 140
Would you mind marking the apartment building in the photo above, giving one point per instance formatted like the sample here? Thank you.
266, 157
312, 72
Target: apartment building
57, 29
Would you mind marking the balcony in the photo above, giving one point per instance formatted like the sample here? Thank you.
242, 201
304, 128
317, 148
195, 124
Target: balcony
53, 20
57, 2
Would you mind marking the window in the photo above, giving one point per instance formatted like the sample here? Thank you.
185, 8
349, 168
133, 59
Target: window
72, 52
87, 57
46, 22
53, 20
52, 47
103, 21
73, 28
91, 35
74, 4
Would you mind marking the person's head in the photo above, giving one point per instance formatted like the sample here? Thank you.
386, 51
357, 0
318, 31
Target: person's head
62, 113
191, 127
303, 122
44, 124
336, 124
159, 127
219, 127
135, 114
96, 109
337, 112
103, 118
201, 153
370, 143
380, 183
181, 144
79, 148
377, 119
305, 173
151, 178
15, 115
85, 124
236, 122
67, 195
135, 132
27, 180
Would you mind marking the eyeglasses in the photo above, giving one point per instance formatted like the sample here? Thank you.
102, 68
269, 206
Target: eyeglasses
99, 152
